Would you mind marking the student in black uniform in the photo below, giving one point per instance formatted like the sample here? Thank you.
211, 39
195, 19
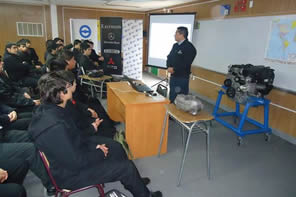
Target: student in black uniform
75, 162
76, 50
179, 63
85, 61
17, 70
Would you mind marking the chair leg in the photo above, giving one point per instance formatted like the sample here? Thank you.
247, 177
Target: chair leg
101, 190
163, 131
183, 158
183, 135
208, 153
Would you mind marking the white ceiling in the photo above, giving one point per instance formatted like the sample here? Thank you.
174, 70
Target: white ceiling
135, 5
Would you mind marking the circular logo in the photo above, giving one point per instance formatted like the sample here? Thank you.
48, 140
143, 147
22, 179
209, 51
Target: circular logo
111, 36
85, 31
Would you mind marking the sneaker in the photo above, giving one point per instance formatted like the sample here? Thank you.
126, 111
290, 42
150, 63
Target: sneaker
146, 180
156, 194
51, 191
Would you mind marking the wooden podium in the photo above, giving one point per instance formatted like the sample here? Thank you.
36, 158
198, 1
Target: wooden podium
143, 117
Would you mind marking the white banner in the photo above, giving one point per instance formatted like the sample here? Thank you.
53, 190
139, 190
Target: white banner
85, 29
132, 48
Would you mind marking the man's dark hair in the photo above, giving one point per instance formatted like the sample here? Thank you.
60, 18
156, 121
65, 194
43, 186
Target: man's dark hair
67, 76
27, 41
8, 46
68, 46
58, 39
76, 42
90, 42
50, 86
51, 45
21, 42
66, 55
84, 46
183, 30
57, 64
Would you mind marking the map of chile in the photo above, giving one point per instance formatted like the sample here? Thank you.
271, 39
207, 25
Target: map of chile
85, 31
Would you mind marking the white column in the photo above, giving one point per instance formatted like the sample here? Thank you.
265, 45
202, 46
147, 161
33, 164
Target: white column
54, 20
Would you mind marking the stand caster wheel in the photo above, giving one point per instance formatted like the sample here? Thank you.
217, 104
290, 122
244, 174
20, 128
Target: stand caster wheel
267, 137
239, 141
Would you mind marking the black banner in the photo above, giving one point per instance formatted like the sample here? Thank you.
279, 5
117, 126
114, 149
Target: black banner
111, 33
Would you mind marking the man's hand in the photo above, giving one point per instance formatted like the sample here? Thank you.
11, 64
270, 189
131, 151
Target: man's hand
37, 102
96, 123
93, 113
37, 66
12, 116
101, 58
103, 148
171, 70
26, 95
3, 175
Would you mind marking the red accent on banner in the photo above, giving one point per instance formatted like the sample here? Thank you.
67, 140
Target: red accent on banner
111, 61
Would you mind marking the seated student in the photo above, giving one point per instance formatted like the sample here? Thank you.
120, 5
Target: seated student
17, 154
35, 71
33, 55
86, 118
17, 70
51, 53
76, 50
9, 119
97, 59
75, 162
12, 95
85, 61
12, 178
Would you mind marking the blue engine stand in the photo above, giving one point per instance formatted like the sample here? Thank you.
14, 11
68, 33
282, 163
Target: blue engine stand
252, 102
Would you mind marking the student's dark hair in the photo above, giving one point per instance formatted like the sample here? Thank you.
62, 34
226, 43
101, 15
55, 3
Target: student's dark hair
90, 42
51, 45
84, 46
21, 42
67, 76
68, 46
66, 55
57, 64
183, 30
27, 41
9, 45
58, 39
76, 42
50, 86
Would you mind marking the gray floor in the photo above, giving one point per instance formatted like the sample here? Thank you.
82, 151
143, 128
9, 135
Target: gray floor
256, 168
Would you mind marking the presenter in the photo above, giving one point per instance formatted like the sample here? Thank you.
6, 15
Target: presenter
179, 63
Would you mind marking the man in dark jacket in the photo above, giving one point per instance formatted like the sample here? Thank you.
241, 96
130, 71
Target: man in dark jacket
84, 60
76, 163
179, 63
11, 94
17, 70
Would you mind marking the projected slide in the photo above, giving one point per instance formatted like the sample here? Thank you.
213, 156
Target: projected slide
162, 35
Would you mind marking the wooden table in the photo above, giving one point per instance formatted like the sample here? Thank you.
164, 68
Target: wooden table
143, 117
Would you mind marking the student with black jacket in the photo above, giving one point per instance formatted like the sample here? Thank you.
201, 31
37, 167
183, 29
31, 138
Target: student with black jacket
77, 163
17, 70
84, 60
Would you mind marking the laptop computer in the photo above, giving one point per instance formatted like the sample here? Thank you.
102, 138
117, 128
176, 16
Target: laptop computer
138, 86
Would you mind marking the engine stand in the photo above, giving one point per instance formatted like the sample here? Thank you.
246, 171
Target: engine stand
252, 102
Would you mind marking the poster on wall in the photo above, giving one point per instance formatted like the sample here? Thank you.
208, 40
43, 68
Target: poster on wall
111, 34
85, 29
132, 48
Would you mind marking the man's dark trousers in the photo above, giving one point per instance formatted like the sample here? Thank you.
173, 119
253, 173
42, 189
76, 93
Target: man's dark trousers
178, 85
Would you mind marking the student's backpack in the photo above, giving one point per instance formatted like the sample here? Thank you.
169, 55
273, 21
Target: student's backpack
120, 137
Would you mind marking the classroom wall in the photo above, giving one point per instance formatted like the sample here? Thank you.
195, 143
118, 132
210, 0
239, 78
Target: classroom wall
12, 13
282, 112
66, 13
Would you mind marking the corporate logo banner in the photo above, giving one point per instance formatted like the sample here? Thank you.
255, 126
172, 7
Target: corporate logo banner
111, 33
85, 29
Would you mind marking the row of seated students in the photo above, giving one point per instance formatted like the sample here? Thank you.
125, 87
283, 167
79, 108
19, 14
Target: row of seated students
75, 136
